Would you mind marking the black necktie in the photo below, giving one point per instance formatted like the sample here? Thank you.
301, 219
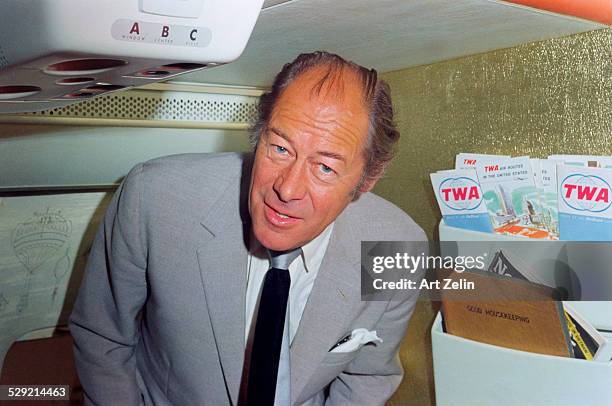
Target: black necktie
268, 337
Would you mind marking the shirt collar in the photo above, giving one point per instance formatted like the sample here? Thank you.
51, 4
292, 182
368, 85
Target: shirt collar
312, 252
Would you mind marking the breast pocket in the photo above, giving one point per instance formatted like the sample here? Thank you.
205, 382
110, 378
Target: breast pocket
339, 358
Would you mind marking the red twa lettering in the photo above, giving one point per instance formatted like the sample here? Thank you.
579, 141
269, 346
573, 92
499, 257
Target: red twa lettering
461, 193
586, 192
474, 193
593, 193
602, 196
568, 190
491, 168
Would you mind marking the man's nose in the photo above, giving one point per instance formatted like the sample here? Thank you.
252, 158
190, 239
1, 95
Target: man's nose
291, 183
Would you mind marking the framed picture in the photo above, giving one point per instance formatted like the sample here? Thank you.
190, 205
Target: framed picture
45, 239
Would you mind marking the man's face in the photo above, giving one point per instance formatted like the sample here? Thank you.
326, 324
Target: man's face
309, 160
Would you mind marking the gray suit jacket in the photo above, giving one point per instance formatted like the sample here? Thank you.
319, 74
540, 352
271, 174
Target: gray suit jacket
160, 315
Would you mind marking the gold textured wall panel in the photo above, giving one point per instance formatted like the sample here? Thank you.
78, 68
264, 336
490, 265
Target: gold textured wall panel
537, 99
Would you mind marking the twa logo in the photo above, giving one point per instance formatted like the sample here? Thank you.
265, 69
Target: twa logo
585, 193
460, 193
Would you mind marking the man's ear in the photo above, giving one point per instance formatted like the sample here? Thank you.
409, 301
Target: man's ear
368, 184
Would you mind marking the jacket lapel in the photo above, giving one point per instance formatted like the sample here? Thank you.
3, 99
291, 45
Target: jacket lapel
224, 277
335, 292
222, 259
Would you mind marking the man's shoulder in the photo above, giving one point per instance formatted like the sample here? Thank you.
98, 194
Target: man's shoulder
194, 171
188, 180
226, 165
375, 218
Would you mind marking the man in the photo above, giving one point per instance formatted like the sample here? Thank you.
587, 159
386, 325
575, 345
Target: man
178, 306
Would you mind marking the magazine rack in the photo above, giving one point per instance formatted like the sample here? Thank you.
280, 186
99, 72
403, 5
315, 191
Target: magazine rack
467, 372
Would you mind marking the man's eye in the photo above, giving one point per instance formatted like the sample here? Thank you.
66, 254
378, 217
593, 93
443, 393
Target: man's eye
326, 169
279, 149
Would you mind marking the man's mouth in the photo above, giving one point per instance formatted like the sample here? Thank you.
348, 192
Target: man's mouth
278, 218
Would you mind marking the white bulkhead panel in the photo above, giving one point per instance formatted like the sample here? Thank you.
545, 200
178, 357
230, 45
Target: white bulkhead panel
69, 50
174, 8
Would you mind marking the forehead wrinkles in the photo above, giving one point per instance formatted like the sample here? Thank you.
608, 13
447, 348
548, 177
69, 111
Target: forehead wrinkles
335, 125
327, 103
331, 83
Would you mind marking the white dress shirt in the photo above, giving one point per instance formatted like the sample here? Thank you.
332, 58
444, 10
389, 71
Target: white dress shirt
303, 271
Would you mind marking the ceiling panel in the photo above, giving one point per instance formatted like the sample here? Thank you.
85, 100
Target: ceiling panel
385, 34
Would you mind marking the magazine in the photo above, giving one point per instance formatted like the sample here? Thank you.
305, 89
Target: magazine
505, 263
587, 342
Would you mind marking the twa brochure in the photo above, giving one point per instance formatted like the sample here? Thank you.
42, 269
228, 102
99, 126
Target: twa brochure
460, 200
545, 177
468, 160
564, 197
585, 212
512, 198
591, 161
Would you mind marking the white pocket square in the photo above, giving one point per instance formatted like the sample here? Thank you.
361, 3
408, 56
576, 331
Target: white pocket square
358, 338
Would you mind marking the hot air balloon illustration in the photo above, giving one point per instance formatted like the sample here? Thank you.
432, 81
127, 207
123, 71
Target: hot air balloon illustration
35, 241
62, 266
